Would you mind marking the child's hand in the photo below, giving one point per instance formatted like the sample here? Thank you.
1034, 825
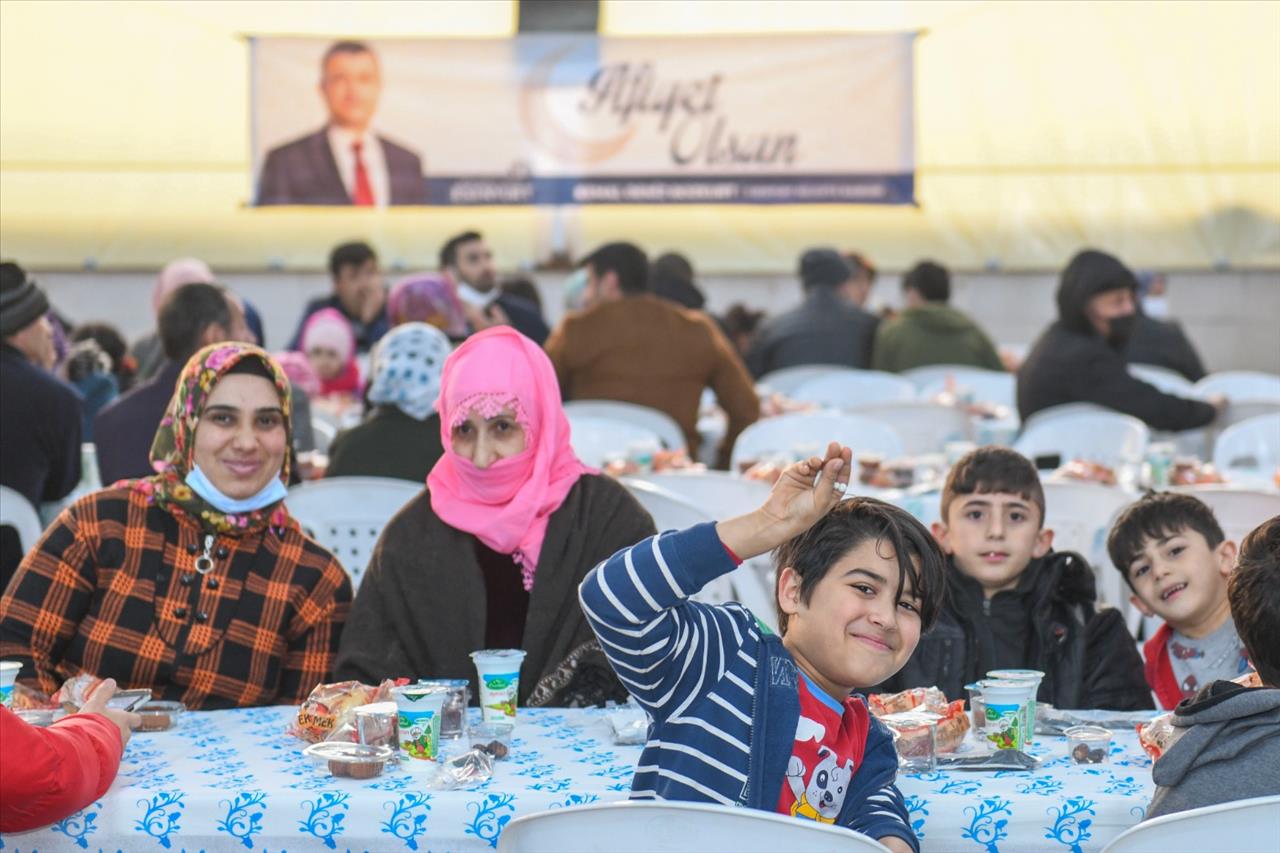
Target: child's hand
795, 503
797, 500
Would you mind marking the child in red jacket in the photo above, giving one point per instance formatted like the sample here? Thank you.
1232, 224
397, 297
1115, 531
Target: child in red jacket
47, 774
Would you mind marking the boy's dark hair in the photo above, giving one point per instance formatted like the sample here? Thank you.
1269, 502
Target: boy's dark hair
930, 280
627, 260
449, 251
186, 313
848, 525
1158, 515
1254, 593
989, 470
355, 254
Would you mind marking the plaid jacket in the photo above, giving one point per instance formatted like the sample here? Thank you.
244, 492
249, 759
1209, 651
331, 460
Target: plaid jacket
111, 589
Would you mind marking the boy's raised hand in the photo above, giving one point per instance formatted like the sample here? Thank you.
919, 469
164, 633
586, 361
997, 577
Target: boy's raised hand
796, 502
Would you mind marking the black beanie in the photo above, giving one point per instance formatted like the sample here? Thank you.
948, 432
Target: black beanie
824, 268
22, 302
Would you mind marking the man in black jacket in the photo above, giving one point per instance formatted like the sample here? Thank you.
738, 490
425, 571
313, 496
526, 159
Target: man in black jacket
827, 328
1080, 357
1013, 603
468, 260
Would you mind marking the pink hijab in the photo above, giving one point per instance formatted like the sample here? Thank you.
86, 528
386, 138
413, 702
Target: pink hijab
507, 505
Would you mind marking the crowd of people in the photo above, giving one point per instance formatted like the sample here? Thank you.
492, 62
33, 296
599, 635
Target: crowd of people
187, 575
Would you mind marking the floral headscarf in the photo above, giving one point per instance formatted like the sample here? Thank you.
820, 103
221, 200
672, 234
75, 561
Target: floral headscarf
427, 298
406, 369
173, 451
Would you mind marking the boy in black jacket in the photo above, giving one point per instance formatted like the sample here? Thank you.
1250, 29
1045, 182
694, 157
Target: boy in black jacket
1014, 603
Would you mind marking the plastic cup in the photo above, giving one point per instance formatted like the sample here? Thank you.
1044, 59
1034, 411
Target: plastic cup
499, 675
8, 675
1023, 675
1088, 744
458, 695
977, 710
1006, 710
418, 709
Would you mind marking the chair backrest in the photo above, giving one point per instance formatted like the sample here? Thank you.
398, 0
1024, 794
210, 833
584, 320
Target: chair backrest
810, 432
788, 379
671, 512
986, 386
674, 827
651, 419
347, 514
923, 427
1253, 444
1242, 410
1245, 826
1238, 510
845, 390
1240, 385
17, 512
721, 495
322, 434
594, 439
1168, 381
1080, 515
1109, 438
1055, 412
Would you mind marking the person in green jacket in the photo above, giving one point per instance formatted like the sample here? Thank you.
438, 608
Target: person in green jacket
930, 331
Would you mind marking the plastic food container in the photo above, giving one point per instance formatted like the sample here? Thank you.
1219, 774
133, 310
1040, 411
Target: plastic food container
916, 740
1088, 744
494, 738
454, 714
499, 674
9, 670
159, 716
353, 760
1006, 702
419, 708
1023, 675
377, 724
42, 716
977, 708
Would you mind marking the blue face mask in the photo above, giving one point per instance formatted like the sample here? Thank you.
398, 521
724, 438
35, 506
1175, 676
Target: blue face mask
272, 492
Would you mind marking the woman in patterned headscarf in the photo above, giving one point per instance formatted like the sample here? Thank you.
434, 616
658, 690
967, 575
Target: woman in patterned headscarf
194, 582
428, 298
400, 434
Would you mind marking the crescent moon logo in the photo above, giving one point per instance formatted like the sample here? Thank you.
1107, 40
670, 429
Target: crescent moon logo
546, 132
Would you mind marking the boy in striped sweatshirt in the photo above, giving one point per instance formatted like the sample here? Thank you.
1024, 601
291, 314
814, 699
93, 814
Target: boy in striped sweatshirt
742, 716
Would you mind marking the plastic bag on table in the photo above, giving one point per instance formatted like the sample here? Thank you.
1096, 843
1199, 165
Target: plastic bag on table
883, 704
996, 759
331, 705
629, 722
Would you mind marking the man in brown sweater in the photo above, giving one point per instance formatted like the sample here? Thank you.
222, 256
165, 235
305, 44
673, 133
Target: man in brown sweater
630, 345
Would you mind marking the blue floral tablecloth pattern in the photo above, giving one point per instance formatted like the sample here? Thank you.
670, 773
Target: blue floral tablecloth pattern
234, 781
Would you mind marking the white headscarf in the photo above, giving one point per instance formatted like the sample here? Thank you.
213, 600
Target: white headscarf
406, 369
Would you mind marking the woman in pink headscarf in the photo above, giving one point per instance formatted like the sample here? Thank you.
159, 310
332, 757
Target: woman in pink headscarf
330, 347
491, 553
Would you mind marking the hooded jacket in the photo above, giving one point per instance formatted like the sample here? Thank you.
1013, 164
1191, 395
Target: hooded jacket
933, 333
1072, 363
1087, 655
825, 329
1230, 749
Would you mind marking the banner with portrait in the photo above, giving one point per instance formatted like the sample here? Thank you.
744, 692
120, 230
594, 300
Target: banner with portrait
582, 119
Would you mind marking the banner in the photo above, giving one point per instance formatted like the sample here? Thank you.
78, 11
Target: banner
580, 119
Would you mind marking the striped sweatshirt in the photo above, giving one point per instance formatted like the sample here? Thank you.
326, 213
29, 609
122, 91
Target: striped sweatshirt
721, 689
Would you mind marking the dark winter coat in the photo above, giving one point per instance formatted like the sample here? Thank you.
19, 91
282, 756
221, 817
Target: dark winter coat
824, 329
1087, 655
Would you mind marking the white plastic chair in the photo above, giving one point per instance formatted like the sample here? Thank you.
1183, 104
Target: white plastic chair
788, 379
595, 439
1245, 826
1109, 438
17, 512
1242, 410
923, 427
1168, 381
811, 432
1055, 412
660, 826
1238, 510
1240, 385
987, 386
347, 514
720, 494
1080, 515
1252, 444
746, 584
651, 419
845, 390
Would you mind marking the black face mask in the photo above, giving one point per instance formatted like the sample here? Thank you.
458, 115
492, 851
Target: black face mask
1120, 329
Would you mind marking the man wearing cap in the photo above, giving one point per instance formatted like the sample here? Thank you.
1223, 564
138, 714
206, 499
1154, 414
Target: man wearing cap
40, 418
827, 328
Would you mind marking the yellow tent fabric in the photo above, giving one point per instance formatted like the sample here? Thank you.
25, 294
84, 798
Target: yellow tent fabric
1150, 130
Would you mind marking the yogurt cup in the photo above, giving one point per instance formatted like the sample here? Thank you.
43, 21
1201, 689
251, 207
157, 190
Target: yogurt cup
8, 675
1006, 711
418, 712
499, 676
1023, 675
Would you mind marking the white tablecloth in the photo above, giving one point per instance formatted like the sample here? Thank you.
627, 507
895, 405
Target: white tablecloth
233, 781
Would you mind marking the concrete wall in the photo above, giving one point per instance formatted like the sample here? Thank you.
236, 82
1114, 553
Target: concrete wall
1232, 317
